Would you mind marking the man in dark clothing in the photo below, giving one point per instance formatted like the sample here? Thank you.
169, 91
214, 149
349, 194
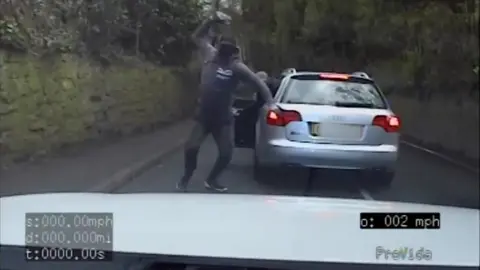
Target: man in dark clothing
273, 84
222, 70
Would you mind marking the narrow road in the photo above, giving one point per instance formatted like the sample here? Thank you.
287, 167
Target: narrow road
421, 178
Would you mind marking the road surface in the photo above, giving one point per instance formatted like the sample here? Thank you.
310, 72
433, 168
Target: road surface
421, 178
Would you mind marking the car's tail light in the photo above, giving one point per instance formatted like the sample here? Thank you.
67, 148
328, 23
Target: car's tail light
387, 122
334, 76
282, 118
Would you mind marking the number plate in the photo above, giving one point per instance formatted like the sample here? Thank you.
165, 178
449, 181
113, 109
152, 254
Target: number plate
336, 131
315, 129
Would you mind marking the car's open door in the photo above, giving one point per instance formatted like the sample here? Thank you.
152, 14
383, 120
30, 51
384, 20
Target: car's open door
246, 113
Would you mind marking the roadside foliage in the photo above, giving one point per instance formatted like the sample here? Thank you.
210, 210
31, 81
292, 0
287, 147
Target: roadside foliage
422, 50
424, 54
422, 47
74, 70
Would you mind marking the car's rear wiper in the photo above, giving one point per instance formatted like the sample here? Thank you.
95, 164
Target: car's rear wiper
355, 105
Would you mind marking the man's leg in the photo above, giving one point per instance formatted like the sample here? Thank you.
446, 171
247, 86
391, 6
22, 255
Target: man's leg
223, 136
192, 146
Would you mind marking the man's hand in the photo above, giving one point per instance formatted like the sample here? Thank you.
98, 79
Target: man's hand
272, 106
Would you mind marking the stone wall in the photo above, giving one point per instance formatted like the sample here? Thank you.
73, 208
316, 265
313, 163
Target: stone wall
46, 104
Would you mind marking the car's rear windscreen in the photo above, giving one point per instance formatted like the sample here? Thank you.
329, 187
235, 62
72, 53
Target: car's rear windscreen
312, 89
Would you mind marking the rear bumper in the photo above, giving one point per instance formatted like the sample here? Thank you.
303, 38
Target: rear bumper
283, 152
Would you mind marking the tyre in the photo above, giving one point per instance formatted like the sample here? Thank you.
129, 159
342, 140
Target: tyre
261, 174
381, 180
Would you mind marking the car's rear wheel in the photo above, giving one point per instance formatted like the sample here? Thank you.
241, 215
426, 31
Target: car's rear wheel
381, 180
261, 173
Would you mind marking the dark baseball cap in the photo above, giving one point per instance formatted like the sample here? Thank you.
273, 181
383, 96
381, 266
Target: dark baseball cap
228, 45
229, 41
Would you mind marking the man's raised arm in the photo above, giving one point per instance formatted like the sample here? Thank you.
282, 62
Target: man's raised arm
203, 40
249, 77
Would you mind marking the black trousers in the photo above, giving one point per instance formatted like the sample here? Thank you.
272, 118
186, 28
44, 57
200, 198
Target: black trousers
223, 136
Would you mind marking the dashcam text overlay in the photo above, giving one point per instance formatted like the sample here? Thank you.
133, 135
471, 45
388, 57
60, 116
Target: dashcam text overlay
377, 220
403, 253
68, 236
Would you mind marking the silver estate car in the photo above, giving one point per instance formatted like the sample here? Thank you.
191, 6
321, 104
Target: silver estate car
325, 120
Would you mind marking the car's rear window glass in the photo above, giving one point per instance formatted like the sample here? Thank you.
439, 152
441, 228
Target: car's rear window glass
311, 89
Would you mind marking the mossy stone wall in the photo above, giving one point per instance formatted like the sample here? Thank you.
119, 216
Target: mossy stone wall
49, 103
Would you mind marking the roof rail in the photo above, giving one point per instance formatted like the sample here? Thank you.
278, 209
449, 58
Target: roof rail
361, 74
289, 71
